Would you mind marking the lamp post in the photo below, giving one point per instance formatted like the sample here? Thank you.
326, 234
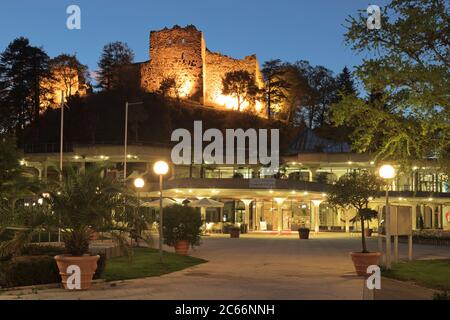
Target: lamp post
138, 184
61, 152
388, 173
127, 105
160, 168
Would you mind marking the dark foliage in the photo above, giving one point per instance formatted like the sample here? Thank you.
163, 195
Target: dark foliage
101, 265
181, 223
29, 270
42, 250
22, 68
99, 119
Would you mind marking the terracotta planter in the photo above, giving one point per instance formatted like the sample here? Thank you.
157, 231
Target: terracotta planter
362, 261
234, 233
182, 247
303, 233
368, 232
86, 263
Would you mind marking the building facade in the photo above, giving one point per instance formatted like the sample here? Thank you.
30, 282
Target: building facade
295, 197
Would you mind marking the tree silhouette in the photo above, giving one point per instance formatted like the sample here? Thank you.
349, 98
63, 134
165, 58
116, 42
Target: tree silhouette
114, 56
22, 68
275, 85
240, 85
71, 72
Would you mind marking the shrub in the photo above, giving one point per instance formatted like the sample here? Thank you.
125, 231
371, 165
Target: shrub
44, 250
227, 226
6, 235
181, 223
29, 270
101, 265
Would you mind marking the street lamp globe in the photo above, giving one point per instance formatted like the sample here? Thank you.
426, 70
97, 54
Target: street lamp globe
139, 183
387, 172
161, 168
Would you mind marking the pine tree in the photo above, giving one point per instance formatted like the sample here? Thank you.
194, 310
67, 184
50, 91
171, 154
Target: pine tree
114, 55
22, 68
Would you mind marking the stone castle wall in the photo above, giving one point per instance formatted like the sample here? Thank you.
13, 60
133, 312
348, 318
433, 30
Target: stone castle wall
176, 53
218, 65
62, 80
181, 54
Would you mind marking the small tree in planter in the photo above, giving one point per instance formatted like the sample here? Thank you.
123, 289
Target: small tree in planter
354, 189
181, 227
84, 204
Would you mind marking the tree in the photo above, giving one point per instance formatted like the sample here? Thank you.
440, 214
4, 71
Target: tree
242, 86
297, 86
85, 202
70, 72
354, 189
345, 86
13, 183
22, 68
344, 83
114, 56
168, 87
275, 85
320, 93
407, 115
182, 223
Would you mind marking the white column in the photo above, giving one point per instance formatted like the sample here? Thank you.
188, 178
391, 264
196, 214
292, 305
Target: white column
258, 214
414, 216
316, 204
339, 222
280, 202
433, 216
247, 212
347, 220
203, 213
312, 174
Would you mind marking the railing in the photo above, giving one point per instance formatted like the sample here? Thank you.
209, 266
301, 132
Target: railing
46, 147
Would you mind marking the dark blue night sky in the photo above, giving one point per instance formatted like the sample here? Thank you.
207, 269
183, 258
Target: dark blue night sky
286, 29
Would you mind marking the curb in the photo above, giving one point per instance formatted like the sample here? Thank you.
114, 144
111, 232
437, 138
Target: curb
44, 286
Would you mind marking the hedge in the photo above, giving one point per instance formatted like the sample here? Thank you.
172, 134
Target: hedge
37, 267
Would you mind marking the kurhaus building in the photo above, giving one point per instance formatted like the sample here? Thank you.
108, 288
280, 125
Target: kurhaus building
294, 197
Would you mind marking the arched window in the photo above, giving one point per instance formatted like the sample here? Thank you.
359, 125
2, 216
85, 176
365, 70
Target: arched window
183, 41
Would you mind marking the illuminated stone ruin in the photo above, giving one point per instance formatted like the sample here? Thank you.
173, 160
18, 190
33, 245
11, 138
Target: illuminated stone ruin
62, 80
181, 54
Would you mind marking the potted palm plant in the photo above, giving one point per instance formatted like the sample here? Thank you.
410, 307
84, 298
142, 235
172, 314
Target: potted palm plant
354, 190
181, 227
83, 203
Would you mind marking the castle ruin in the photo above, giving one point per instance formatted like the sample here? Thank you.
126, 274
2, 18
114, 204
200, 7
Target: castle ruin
181, 54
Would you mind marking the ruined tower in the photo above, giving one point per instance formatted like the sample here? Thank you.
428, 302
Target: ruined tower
178, 54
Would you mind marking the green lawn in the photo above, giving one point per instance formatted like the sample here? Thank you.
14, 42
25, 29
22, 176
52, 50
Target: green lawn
428, 273
145, 263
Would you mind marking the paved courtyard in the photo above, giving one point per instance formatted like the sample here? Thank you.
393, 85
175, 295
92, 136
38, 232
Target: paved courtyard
257, 267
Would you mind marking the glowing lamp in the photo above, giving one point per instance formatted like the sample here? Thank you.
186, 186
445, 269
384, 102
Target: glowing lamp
161, 168
139, 183
387, 171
